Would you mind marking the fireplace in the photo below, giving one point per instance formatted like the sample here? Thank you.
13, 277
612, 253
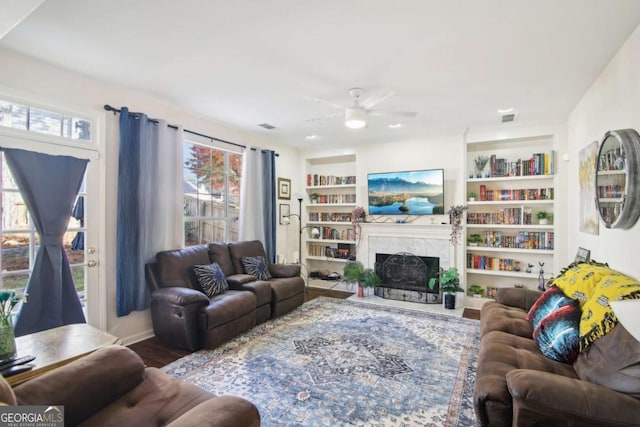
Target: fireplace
405, 277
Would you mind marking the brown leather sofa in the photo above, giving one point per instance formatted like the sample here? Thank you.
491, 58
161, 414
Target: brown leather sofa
112, 387
184, 316
516, 385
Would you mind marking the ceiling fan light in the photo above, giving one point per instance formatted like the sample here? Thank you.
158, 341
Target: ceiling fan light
355, 118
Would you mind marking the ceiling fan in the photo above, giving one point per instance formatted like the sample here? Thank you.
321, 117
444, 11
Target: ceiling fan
355, 115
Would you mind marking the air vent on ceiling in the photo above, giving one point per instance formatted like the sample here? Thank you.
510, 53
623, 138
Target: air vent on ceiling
266, 126
507, 118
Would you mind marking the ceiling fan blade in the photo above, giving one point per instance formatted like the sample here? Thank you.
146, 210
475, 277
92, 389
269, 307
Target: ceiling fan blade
325, 102
407, 114
328, 116
376, 98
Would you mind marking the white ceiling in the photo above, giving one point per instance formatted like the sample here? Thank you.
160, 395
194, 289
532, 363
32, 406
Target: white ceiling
246, 62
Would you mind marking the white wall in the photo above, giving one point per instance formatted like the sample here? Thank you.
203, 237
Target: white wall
611, 103
34, 81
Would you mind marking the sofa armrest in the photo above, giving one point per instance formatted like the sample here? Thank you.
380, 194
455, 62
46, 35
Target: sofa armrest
85, 385
284, 270
543, 398
518, 297
237, 280
180, 296
223, 411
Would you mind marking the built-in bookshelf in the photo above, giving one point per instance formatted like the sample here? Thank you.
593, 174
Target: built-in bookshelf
509, 182
331, 199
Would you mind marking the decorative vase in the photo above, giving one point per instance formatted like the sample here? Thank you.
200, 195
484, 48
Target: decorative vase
449, 301
7, 340
543, 221
360, 291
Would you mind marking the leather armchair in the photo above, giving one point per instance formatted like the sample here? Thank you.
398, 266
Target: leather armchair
112, 387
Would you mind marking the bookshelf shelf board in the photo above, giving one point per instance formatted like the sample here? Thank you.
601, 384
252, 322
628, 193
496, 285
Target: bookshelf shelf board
611, 200
513, 226
612, 172
331, 187
328, 223
349, 242
518, 274
510, 202
324, 258
511, 178
510, 250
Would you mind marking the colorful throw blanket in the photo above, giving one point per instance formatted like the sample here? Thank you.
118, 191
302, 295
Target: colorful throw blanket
594, 285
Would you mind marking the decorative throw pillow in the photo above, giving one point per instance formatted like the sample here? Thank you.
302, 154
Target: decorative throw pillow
211, 279
551, 300
256, 266
558, 336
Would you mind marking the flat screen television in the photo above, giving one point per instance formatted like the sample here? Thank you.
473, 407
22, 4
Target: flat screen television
418, 192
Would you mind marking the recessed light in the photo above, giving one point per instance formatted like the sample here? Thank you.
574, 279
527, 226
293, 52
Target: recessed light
506, 110
314, 136
396, 125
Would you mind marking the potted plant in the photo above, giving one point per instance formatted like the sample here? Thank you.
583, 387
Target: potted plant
313, 197
480, 162
474, 239
449, 285
543, 217
476, 291
8, 302
472, 196
354, 271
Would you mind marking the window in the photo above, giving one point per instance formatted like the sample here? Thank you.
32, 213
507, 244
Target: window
33, 119
20, 241
211, 194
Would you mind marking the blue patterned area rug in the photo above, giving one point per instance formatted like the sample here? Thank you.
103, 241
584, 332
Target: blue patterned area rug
334, 362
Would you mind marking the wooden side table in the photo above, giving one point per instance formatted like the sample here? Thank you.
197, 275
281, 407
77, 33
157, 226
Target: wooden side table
58, 346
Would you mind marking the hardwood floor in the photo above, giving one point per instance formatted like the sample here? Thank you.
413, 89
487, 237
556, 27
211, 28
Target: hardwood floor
156, 354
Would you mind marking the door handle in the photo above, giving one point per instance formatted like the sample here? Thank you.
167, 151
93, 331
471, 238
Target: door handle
92, 263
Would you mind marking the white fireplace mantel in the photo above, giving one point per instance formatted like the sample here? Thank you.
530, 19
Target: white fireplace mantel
418, 239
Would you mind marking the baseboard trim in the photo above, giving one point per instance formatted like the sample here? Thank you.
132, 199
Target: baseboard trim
132, 339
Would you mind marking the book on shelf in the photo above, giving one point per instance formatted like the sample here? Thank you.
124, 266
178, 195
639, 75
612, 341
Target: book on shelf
521, 240
316, 180
537, 164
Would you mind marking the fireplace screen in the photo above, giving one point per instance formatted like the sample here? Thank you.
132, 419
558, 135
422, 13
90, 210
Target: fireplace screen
405, 276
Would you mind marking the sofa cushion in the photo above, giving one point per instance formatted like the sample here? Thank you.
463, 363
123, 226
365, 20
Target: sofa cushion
285, 288
551, 300
498, 354
612, 361
557, 335
211, 279
499, 317
175, 267
247, 248
219, 252
226, 307
257, 266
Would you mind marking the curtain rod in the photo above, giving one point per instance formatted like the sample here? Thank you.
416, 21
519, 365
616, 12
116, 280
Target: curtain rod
108, 107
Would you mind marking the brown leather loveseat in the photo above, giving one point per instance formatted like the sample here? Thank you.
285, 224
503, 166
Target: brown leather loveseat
184, 316
112, 387
517, 385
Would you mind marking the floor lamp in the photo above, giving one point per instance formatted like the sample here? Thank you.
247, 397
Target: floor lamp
315, 232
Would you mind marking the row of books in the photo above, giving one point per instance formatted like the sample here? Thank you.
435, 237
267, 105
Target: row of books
610, 214
482, 262
503, 216
538, 164
330, 233
315, 180
612, 160
341, 252
611, 191
336, 198
330, 216
521, 240
515, 194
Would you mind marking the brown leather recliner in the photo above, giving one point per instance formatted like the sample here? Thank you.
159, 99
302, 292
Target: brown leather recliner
182, 314
112, 387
